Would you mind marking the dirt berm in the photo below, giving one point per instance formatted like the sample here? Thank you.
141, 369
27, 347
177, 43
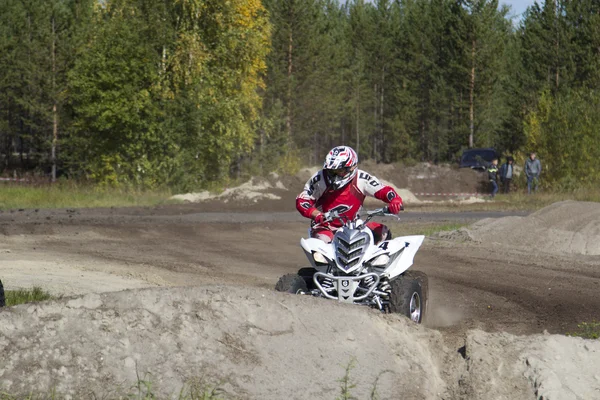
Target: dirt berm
567, 227
258, 344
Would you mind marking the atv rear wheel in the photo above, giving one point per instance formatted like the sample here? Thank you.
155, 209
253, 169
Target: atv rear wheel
408, 295
291, 283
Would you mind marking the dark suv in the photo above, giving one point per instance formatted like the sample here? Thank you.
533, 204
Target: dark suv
472, 158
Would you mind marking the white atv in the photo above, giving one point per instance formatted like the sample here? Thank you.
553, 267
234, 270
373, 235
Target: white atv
354, 269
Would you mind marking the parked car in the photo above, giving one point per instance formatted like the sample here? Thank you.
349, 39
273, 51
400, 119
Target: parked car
477, 158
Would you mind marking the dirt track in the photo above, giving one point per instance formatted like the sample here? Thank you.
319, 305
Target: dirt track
472, 285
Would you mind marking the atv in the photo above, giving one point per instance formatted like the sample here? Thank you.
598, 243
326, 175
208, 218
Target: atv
354, 269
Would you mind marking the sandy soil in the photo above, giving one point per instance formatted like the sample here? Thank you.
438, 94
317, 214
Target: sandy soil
478, 286
258, 344
568, 227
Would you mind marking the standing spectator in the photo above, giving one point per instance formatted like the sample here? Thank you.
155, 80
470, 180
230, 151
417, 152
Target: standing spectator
506, 174
533, 168
493, 175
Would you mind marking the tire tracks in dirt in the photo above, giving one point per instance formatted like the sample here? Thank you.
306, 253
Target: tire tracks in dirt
473, 285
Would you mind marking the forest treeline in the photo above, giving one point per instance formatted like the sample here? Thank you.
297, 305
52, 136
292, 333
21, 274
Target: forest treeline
183, 93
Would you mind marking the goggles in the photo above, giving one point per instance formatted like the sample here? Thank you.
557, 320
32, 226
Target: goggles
341, 172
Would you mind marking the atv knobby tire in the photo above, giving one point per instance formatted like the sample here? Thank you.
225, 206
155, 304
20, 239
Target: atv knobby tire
409, 295
307, 274
2, 299
291, 283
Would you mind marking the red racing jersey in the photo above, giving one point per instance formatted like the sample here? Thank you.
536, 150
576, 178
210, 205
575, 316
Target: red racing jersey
347, 200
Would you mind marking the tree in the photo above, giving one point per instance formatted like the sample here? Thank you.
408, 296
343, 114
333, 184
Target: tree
172, 105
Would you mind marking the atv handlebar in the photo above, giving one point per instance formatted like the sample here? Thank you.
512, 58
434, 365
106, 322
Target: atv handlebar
380, 212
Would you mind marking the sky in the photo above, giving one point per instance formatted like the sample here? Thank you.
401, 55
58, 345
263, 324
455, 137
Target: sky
518, 6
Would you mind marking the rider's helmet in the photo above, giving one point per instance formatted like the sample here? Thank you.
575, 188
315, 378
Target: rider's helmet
340, 166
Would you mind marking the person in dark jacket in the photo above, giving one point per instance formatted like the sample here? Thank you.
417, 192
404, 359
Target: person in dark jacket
493, 176
506, 174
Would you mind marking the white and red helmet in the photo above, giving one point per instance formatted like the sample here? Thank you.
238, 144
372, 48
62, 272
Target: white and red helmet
340, 166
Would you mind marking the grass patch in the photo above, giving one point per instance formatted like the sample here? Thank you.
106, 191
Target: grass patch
432, 229
346, 384
587, 330
196, 389
69, 194
143, 390
21, 296
524, 201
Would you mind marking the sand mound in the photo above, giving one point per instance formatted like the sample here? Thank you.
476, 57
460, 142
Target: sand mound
555, 367
306, 173
260, 344
257, 189
407, 196
253, 190
468, 200
568, 227
430, 178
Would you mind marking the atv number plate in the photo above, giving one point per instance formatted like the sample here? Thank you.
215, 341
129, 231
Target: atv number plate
346, 289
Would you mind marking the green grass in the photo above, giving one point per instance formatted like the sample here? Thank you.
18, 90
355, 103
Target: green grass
196, 389
587, 330
144, 389
71, 195
21, 296
435, 228
523, 201
346, 383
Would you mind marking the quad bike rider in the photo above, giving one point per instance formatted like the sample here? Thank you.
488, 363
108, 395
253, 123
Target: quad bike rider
341, 187
354, 260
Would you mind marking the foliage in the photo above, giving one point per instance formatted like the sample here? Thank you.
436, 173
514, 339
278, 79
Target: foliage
587, 330
21, 296
186, 93
564, 130
66, 194
148, 93
346, 384
144, 389
168, 107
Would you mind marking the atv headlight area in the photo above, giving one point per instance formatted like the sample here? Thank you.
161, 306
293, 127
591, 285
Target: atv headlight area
380, 261
320, 258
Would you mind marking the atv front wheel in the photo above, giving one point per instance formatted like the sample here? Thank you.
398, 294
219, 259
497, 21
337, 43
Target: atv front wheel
408, 295
291, 283
307, 274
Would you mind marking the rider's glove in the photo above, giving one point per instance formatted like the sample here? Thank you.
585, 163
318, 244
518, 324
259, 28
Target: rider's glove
319, 219
395, 205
